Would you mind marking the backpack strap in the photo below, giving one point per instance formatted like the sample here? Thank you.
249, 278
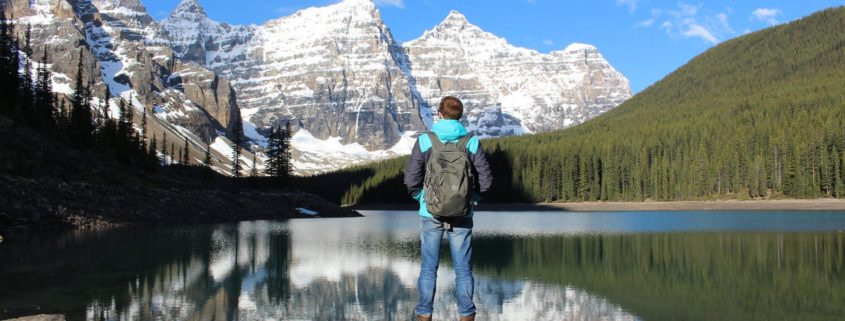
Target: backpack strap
462, 144
435, 142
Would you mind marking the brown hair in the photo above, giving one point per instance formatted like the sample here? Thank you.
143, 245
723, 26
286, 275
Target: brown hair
451, 108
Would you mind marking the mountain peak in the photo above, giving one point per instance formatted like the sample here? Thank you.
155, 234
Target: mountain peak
192, 6
368, 4
577, 46
455, 18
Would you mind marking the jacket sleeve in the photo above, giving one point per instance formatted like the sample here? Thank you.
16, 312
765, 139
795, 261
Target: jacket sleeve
482, 169
415, 172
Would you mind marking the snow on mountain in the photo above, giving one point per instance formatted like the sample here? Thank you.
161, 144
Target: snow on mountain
331, 71
196, 38
338, 76
122, 48
511, 90
313, 155
334, 73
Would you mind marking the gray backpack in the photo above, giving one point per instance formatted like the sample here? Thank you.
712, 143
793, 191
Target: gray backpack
448, 178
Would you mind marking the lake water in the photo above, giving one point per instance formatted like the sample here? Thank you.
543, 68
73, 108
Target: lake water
528, 266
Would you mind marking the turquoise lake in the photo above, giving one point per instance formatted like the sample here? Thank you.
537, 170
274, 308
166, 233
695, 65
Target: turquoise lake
672, 265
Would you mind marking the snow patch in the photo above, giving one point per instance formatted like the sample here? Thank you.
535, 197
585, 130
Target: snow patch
222, 146
304, 141
576, 46
305, 211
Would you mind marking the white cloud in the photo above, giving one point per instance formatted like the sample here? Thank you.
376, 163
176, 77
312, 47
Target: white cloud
692, 21
688, 9
645, 23
631, 4
767, 15
394, 3
548, 42
696, 30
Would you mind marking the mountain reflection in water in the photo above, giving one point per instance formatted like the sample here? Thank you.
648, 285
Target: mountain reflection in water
366, 269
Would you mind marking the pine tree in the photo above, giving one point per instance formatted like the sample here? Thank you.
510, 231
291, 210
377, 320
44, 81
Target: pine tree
254, 171
172, 153
43, 96
236, 164
274, 154
9, 64
839, 185
207, 159
81, 127
26, 88
237, 141
124, 126
286, 163
153, 151
105, 120
63, 119
107, 129
143, 138
185, 152
6, 70
826, 177
164, 149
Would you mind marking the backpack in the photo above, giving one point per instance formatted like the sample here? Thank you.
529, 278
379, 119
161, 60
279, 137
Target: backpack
448, 178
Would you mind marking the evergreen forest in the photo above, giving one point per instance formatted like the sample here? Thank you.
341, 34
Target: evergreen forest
761, 116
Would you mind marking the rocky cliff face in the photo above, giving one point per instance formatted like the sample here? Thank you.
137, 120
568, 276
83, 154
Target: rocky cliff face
337, 73
196, 38
333, 71
509, 90
56, 29
122, 47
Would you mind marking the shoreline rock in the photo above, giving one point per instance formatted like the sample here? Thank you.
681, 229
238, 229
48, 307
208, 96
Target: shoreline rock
43, 204
39, 317
748, 205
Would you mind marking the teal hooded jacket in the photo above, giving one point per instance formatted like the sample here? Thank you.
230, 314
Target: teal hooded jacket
447, 130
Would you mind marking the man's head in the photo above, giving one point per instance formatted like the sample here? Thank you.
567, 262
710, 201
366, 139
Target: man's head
451, 108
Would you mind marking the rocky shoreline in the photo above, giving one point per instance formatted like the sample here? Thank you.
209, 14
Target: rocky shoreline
50, 204
46, 185
748, 205
40, 317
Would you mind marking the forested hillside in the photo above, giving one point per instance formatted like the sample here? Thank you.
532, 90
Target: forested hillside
759, 116
78, 162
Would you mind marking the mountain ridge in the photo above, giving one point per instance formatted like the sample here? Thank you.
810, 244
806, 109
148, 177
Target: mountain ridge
395, 119
756, 117
335, 73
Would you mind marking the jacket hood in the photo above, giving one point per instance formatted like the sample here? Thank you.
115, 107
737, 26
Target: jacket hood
449, 129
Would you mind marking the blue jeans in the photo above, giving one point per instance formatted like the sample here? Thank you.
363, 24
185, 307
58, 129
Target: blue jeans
460, 239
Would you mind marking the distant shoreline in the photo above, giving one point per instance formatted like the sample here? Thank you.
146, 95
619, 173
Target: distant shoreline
790, 205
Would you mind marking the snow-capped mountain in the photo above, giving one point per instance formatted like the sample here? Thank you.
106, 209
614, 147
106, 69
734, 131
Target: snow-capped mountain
330, 71
351, 92
196, 38
122, 48
337, 74
510, 90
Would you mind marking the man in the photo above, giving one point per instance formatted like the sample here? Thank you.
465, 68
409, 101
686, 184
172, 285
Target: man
448, 130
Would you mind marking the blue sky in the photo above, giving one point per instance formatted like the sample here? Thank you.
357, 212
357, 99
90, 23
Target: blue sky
643, 39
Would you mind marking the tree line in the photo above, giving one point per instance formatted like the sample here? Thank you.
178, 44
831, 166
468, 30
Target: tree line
758, 117
103, 127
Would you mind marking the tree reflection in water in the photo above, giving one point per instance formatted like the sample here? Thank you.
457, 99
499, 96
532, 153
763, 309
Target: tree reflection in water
366, 269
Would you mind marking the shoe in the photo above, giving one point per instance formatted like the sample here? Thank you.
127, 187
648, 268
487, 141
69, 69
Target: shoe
423, 317
470, 317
